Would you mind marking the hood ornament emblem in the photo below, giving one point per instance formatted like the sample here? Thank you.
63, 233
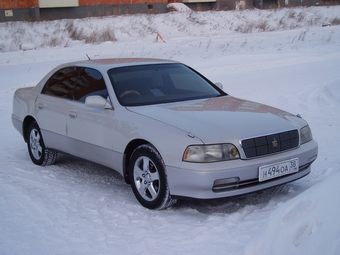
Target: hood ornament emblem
274, 143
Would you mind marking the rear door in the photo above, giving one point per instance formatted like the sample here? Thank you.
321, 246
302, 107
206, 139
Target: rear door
52, 107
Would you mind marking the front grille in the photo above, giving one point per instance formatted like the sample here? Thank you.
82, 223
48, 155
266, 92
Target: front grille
269, 144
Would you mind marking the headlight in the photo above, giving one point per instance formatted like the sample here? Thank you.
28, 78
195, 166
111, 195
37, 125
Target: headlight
210, 153
305, 134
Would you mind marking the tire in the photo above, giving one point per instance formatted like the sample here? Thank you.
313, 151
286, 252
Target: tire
148, 178
36, 147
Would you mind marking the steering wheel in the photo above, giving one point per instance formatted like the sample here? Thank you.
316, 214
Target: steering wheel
129, 92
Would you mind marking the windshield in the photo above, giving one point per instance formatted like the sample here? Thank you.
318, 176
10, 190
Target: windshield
160, 83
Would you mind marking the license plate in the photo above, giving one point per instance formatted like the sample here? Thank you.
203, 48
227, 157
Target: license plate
278, 169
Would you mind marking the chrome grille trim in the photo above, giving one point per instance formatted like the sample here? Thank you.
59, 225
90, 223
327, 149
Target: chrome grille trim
270, 144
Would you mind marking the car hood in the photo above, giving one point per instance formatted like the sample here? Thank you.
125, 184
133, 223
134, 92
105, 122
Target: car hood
222, 119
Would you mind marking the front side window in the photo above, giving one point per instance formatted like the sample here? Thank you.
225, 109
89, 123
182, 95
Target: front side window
160, 83
90, 82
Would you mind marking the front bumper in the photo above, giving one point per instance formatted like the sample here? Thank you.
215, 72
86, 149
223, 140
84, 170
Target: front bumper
198, 180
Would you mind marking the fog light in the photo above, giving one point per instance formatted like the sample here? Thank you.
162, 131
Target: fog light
226, 181
225, 184
311, 159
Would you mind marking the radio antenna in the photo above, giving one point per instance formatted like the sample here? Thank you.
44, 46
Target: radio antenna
88, 57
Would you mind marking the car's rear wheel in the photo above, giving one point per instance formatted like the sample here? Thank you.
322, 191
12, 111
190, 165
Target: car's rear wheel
148, 178
36, 147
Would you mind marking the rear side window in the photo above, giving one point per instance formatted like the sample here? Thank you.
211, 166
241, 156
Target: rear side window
76, 83
61, 84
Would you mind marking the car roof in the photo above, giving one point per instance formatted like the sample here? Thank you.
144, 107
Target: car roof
104, 65
109, 63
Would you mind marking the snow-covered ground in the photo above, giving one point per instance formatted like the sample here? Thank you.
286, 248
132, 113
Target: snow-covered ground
76, 207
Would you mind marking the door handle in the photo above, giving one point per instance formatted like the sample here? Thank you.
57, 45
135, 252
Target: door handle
72, 115
40, 106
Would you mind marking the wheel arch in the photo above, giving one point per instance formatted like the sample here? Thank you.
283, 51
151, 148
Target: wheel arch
27, 121
132, 145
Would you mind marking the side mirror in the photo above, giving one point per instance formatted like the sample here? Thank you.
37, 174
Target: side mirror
219, 85
98, 102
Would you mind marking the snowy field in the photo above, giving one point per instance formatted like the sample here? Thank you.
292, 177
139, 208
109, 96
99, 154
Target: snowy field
76, 207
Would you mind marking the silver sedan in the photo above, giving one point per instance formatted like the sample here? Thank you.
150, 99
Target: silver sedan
171, 132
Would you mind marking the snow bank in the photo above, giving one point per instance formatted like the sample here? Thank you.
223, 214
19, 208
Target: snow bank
300, 225
183, 23
179, 7
28, 46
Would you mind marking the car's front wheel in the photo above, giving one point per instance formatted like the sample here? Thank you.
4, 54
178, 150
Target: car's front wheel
36, 147
148, 178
